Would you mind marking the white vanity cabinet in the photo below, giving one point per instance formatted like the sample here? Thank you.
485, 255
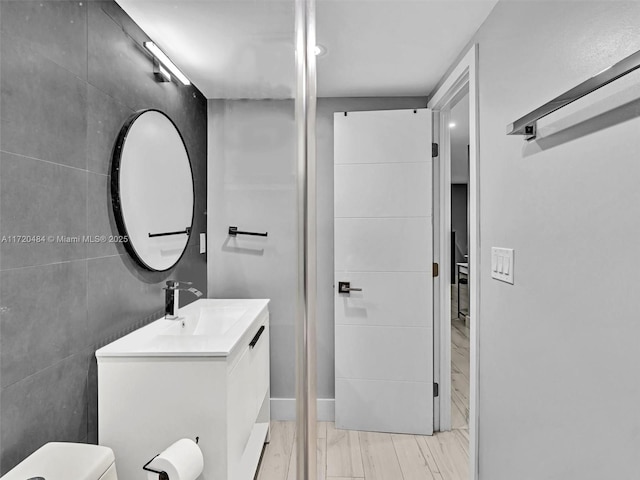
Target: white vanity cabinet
161, 386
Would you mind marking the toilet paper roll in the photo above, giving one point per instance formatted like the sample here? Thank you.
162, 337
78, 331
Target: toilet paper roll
181, 461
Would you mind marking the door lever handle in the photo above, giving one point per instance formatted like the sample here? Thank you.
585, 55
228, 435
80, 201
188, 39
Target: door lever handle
345, 287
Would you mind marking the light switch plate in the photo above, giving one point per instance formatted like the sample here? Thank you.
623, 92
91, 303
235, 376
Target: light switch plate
502, 264
203, 243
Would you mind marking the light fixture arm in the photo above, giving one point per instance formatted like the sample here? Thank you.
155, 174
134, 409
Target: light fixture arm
164, 61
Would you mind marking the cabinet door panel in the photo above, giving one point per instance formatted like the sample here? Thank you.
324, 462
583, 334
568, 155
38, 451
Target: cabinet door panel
241, 406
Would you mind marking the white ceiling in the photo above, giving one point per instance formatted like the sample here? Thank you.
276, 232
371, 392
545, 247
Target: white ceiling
245, 48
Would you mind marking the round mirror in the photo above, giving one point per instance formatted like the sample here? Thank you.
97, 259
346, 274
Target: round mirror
152, 190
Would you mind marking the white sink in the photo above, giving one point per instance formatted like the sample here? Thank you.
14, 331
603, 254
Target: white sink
208, 321
206, 327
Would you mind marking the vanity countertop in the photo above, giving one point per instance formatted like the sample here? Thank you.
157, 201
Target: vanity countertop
206, 327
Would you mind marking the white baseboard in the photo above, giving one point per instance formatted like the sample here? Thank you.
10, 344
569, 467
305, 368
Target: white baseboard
285, 409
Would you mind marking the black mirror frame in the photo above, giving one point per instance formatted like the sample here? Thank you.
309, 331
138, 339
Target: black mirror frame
115, 188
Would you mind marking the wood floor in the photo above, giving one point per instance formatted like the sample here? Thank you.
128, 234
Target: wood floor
351, 455
460, 366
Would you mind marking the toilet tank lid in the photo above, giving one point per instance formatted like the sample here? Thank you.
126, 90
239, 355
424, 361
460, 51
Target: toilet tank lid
64, 461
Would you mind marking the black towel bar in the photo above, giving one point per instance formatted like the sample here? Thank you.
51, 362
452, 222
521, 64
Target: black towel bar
233, 231
165, 234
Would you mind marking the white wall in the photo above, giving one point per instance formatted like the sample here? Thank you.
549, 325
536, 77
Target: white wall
460, 141
559, 356
252, 185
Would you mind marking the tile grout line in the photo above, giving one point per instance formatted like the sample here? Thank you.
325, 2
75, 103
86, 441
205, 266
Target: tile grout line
48, 367
10, 269
84, 170
86, 265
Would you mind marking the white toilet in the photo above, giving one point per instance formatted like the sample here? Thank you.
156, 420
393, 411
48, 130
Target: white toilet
66, 461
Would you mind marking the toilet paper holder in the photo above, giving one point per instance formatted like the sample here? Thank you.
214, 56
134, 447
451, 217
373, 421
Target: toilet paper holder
162, 475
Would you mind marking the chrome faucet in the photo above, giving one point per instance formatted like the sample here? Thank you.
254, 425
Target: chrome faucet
172, 291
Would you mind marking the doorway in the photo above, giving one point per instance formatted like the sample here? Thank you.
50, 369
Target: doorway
460, 82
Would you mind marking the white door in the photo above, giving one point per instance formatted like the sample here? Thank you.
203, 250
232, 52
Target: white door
383, 247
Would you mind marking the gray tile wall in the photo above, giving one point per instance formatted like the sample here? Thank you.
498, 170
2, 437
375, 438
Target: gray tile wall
70, 75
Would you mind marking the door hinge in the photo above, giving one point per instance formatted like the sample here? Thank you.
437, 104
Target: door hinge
436, 390
436, 269
435, 150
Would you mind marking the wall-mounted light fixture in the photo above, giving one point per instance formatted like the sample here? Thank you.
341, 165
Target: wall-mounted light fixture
165, 64
162, 74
